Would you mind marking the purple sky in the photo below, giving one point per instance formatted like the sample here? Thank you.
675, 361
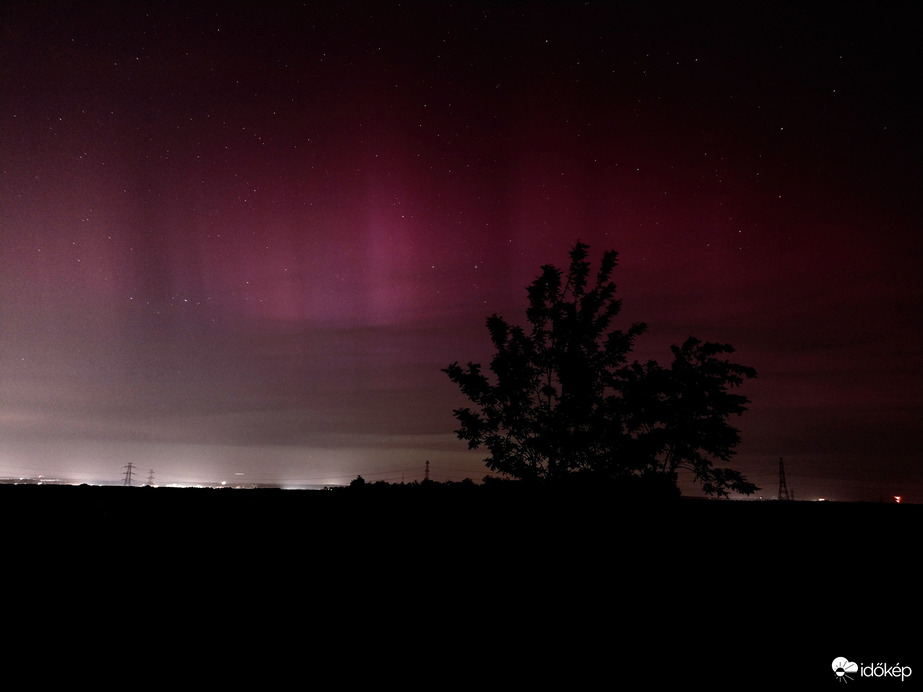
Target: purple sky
238, 241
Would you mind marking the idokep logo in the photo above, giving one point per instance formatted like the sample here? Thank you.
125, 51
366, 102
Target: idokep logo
845, 670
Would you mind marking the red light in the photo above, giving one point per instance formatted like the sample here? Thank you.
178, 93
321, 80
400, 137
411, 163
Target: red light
897, 499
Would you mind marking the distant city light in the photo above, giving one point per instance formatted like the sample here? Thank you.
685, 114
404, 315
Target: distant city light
897, 499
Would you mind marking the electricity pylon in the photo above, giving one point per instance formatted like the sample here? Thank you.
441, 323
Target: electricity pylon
783, 488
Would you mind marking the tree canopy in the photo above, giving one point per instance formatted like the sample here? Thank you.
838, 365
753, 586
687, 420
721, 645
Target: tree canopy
563, 402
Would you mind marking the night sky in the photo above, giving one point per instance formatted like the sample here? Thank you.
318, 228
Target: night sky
239, 241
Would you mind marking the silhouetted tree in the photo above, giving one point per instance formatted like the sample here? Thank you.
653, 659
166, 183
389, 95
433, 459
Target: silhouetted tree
564, 403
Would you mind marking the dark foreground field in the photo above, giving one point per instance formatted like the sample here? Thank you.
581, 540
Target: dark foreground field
414, 513
546, 586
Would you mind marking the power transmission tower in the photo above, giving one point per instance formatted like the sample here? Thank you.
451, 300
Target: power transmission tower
783, 488
128, 468
150, 478
426, 472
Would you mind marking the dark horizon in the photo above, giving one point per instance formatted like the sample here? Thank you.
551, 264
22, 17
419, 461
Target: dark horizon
240, 238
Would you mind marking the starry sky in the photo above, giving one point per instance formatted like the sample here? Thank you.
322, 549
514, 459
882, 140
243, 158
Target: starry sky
239, 240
